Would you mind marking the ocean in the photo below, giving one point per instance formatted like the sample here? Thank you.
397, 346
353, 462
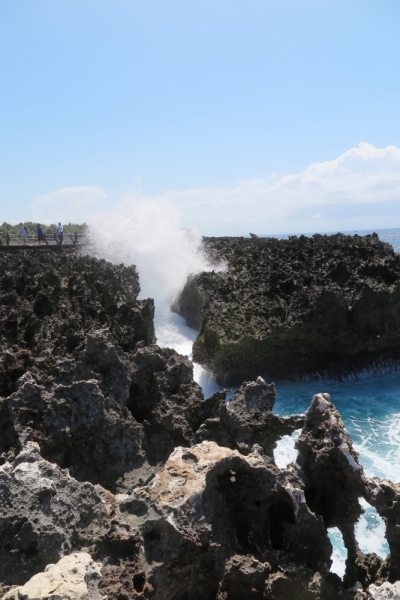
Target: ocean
370, 409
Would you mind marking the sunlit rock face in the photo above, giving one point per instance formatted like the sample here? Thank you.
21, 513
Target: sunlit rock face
46, 514
211, 517
386, 591
296, 308
240, 514
74, 577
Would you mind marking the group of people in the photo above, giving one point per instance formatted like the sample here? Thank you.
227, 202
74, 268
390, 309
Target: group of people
58, 234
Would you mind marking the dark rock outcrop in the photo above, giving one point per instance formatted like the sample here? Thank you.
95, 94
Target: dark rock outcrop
45, 514
286, 309
113, 418
49, 302
330, 464
108, 416
247, 419
385, 497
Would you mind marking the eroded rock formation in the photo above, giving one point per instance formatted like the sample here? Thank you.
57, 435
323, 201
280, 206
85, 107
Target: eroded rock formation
293, 308
119, 480
48, 303
45, 514
247, 419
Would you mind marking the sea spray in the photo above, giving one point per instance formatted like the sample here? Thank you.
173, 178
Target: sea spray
150, 235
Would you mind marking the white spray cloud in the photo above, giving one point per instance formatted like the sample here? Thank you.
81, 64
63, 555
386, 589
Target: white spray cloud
149, 234
359, 189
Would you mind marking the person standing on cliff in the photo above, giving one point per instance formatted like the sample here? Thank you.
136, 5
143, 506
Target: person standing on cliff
40, 234
24, 233
60, 233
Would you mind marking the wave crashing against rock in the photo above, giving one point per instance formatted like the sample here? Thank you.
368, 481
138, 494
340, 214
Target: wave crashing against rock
111, 457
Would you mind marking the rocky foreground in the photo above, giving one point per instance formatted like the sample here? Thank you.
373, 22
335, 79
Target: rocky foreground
119, 480
298, 308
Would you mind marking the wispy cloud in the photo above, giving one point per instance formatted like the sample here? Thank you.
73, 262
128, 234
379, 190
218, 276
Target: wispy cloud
69, 204
360, 188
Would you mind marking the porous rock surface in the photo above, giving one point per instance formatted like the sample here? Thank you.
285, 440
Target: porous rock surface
386, 591
334, 482
247, 419
48, 302
74, 577
288, 309
45, 514
111, 457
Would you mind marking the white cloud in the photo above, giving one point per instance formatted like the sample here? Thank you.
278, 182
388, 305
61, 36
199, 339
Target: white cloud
359, 189
68, 204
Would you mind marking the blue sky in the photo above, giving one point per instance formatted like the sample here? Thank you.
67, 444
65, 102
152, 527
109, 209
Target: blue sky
207, 105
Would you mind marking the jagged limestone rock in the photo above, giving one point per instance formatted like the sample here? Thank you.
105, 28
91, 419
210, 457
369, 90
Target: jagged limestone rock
45, 514
302, 307
211, 504
247, 419
49, 302
74, 577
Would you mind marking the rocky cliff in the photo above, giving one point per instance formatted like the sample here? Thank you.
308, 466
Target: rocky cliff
48, 302
119, 480
289, 309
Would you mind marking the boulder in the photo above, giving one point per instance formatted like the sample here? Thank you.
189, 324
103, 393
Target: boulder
218, 520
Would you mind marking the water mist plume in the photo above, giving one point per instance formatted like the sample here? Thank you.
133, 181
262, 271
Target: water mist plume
150, 235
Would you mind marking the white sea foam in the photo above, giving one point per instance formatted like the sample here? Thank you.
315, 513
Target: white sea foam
149, 235
285, 451
370, 531
378, 444
339, 553
370, 535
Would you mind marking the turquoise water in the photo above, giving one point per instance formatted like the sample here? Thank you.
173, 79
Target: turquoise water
370, 409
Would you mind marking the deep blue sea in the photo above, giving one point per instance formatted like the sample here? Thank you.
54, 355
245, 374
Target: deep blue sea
370, 409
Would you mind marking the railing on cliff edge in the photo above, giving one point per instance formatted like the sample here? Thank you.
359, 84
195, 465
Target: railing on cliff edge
13, 242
